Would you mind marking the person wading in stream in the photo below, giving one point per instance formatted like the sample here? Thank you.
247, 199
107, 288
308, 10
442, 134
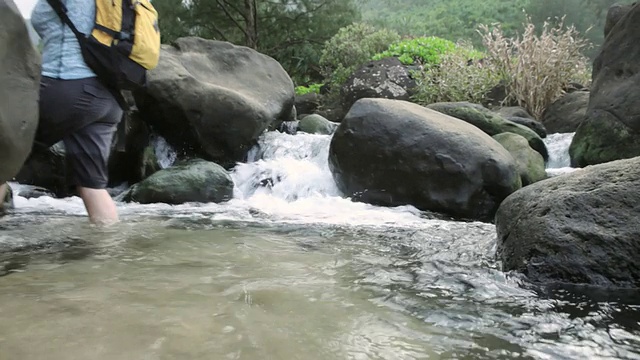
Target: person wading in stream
80, 99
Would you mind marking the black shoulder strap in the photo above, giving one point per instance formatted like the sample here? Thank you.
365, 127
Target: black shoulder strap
61, 10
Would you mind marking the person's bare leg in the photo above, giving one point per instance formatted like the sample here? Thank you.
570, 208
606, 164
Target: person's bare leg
100, 206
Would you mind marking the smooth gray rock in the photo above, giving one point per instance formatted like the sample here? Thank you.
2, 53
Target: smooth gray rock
393, 152
213, 99
19, 90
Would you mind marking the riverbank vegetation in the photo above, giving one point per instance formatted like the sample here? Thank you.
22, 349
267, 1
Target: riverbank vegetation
533, 47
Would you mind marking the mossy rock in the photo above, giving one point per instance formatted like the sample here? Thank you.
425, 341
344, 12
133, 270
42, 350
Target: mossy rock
529, 162
316, 124
602, 138
189, 181
490, 122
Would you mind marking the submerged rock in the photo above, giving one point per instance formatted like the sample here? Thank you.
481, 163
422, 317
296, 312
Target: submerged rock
529, 162
611, 127
213, 99
189, 181
316, 124
392, 152
19, 90
490, 122
579, 228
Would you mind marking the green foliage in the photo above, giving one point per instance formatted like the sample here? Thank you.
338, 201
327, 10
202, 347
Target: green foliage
351, 47
312, 88
448, 19
461, 75
422, 51
291, 31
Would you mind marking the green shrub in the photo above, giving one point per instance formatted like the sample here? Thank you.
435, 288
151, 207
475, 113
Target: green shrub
461, 75
418, 51
537, 68
313, 88
350, 48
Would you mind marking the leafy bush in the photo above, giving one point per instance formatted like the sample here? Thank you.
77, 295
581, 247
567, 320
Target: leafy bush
351, 48
418, 51
461, 75
536, 68
313, 88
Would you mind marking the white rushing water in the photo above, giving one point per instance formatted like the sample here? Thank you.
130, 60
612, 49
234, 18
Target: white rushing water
287, 179
558, 146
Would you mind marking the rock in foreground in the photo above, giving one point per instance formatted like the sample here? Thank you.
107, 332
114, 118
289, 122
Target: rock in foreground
19, 87
579, 228
392, 152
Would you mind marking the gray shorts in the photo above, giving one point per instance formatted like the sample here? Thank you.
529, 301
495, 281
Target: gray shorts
83, 114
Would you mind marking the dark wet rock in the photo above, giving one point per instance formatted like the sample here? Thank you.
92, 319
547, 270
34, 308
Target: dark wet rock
381, 79
189, 181
529, 162
47, 168
490, 122
579, 228
532, 124
308, 103
213, 99
138, 160
34, 192
567, 113
392, 152
316, 124
19, 90
611, 127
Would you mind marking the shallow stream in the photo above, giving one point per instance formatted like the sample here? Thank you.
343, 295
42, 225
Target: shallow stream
287, 270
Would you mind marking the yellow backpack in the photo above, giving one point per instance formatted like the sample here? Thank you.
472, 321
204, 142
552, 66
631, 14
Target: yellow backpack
124, 42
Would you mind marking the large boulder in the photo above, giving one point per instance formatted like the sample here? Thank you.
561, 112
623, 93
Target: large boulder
387, 78
214, 99
490, 122
614, 14
611, 127
567, 113
19, 90
529, 162
393, 152
577, 228
189, 181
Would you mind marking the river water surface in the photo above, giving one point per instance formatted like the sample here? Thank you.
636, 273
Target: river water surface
286, 270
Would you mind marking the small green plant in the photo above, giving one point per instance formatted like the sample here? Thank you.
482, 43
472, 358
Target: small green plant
536, 68
311, 89
461, 75
418, 51
351, 48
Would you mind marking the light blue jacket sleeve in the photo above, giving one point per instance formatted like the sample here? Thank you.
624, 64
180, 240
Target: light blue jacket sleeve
61, 54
